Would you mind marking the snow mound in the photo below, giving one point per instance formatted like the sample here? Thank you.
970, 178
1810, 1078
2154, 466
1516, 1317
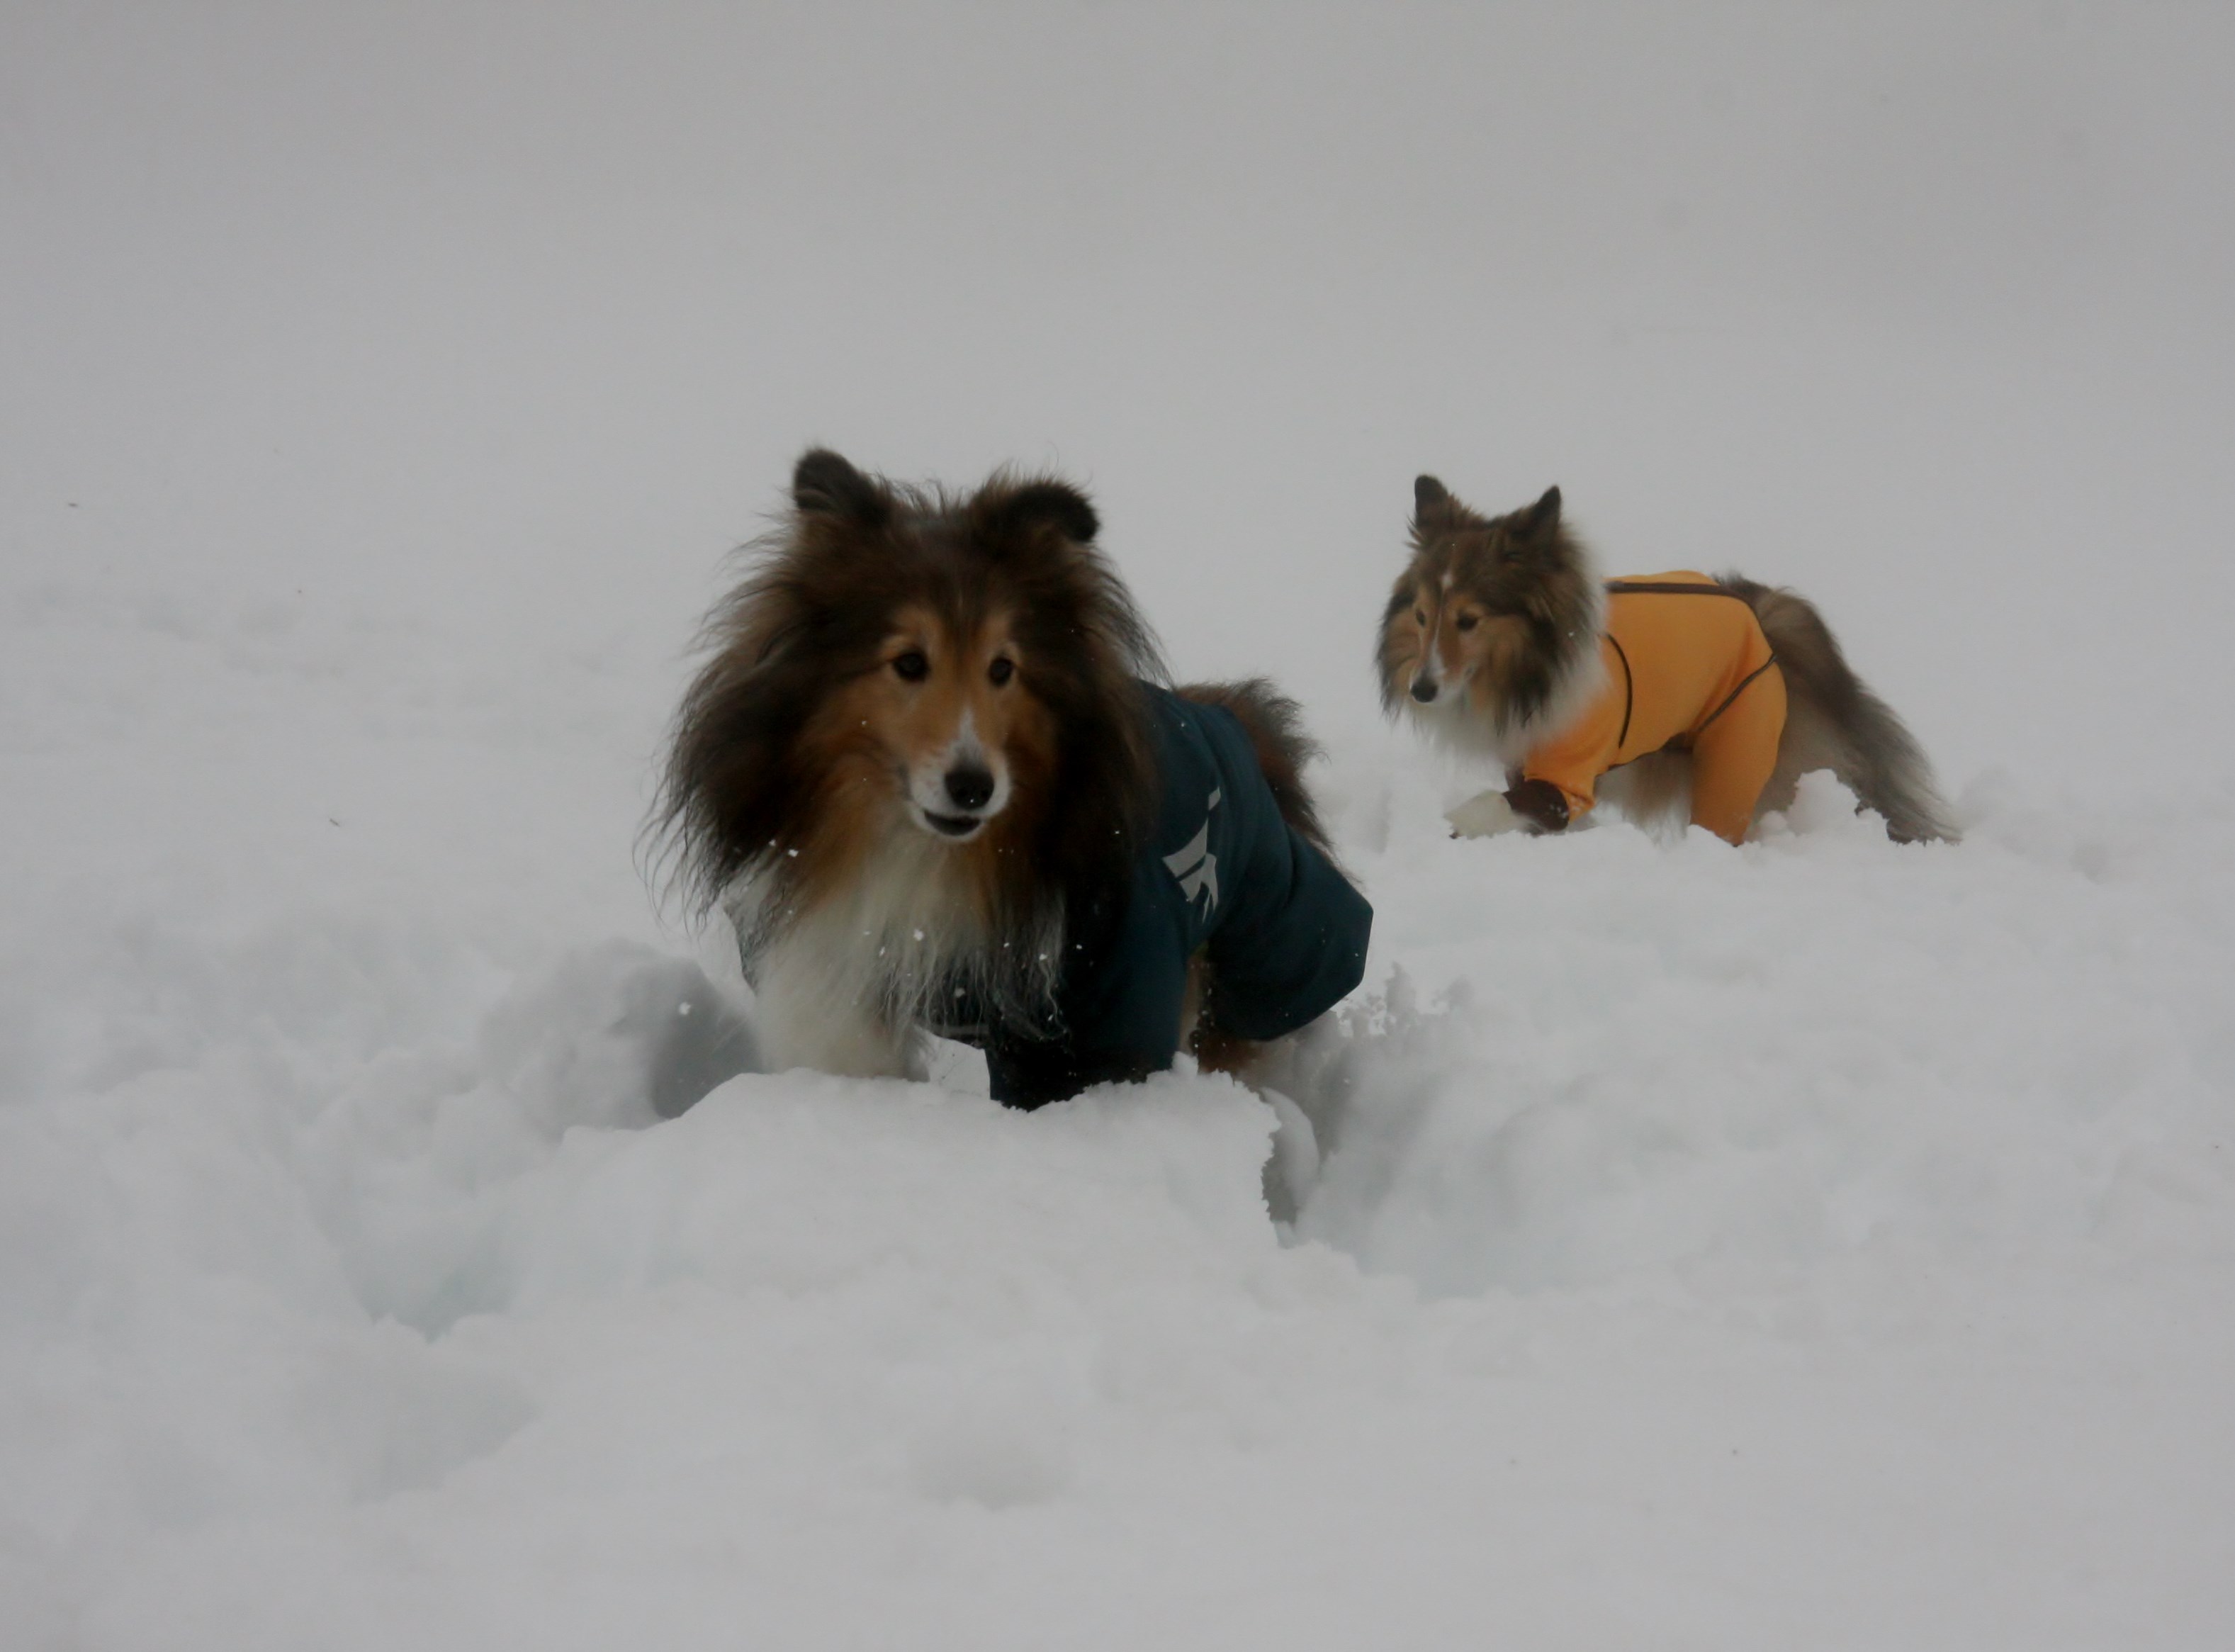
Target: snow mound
1772, 1207
1600, 1053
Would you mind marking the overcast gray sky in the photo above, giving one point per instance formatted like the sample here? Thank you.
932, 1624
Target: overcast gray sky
1920, 308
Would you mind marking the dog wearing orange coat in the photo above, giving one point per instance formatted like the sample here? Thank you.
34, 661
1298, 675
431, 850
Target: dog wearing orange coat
1501, 641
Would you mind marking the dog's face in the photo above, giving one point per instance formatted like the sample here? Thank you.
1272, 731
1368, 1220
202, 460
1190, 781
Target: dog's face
1482, 602
945, 719
953, 633
956, 674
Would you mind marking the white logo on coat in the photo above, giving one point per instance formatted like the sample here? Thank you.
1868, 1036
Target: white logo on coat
1196, 867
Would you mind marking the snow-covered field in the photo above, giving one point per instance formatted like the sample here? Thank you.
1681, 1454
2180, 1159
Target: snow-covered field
1817, 1244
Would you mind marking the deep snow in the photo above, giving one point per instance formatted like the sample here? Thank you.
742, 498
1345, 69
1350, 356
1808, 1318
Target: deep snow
1821, 1242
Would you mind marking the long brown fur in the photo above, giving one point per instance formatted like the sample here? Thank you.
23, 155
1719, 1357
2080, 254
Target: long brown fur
763, 784
1518, 597
1534, 585
780, 791
1274, 725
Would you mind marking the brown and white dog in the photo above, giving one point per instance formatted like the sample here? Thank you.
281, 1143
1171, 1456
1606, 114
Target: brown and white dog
928, 773
1501, 641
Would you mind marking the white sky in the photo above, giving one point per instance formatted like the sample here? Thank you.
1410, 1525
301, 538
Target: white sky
523, 311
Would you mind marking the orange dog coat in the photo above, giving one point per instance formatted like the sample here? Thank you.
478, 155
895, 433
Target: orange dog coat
1685, 667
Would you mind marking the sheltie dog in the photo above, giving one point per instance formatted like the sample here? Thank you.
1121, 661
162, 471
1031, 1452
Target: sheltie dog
930, 776
1501, 642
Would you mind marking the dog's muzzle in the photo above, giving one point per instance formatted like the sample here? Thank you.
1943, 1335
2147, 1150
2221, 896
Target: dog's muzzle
968, 787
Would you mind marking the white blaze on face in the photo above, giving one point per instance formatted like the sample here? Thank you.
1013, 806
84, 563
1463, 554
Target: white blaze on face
965, 759
1449, 672
1436, 645
1430, 672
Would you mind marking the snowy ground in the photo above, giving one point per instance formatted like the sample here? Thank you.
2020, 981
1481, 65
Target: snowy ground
1821, 1242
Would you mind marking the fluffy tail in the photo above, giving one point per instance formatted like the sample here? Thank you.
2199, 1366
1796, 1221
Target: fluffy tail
1834, 721
1274, 725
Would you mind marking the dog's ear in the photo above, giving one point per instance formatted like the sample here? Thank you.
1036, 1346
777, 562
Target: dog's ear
1540, 519
1053, 504
1428, 494
824, 484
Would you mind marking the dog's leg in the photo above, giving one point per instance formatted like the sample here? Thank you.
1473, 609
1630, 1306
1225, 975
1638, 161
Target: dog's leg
1526, 805
1485, 816
813, 1010
1735, 757
1214, 1049
1293, 1168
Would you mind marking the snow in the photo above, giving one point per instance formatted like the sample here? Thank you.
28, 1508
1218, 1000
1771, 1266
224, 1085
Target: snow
1818, 1242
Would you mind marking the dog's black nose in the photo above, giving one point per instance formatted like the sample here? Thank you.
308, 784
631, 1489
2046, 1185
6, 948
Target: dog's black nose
969, 788
1424, 689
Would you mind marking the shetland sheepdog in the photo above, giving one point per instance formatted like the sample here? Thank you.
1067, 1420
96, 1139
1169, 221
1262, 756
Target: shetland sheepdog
1501, 641
928, 774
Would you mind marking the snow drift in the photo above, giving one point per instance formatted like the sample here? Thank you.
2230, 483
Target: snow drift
1820, 1243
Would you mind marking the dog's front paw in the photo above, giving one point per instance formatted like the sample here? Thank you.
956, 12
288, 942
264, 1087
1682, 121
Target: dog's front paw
1484, 816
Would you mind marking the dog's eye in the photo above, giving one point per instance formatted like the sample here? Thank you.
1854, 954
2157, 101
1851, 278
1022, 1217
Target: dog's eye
1468, 621
911, 667
1420, 616
1000, 671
